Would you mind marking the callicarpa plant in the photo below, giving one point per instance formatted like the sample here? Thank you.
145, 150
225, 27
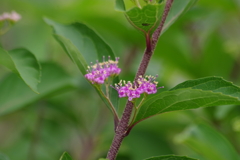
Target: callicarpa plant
144, 95
151, 18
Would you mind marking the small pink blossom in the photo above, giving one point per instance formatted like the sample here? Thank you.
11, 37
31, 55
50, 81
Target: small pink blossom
99, 72
146, 85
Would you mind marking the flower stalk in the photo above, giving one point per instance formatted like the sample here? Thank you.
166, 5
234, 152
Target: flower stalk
122, 128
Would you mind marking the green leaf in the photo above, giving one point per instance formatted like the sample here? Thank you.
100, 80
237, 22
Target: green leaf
65, 156
120, 6
215, 84
103, 159
147, 18
23, 63
170, 157
54, 81
204, 92
86, 42
208, 142
83, 46
179, 7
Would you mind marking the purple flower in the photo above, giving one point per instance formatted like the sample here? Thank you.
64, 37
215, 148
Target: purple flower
146, 85
99, 72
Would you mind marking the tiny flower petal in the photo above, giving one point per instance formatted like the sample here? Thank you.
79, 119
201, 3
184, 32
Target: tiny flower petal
99, 72
145, 85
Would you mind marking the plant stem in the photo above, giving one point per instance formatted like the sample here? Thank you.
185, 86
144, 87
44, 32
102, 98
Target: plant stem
148, 42
122, 127
138, 4
116, 119
144, 97
107, 90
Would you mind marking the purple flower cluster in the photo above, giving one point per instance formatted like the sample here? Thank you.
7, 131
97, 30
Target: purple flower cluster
99, 72
145, 84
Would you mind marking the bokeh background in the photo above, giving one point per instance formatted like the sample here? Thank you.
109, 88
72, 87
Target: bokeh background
69, 116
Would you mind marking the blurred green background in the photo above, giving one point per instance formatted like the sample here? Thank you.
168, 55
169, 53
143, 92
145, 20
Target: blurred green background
69, 116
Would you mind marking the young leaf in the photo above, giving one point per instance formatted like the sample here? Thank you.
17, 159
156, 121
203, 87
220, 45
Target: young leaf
179, 7
54, 81
147, 18
120, 6
170, 157
208, 142
23, 63
65, 156
205, 92
83, 46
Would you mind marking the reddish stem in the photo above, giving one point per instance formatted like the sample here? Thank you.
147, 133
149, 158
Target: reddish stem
122, 127
148, 42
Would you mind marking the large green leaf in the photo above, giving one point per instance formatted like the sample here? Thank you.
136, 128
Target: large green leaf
83, 46
208, 142
66, 156
14, 94
145, 19
215, 84
179, 7
170, 157
23, 63
204, 92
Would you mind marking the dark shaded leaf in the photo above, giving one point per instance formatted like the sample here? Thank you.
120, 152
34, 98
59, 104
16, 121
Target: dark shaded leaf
14, 94
208, 142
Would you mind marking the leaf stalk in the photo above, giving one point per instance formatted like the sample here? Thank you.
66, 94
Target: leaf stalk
115, 115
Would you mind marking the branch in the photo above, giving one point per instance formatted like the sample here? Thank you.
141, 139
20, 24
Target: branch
122, 127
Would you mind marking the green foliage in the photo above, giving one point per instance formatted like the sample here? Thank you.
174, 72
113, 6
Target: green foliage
145, 19
83, 46
204, 92
203, 42
170, 157
215, 84
208, 142
66, 156
23, 63
54, 81
89, 45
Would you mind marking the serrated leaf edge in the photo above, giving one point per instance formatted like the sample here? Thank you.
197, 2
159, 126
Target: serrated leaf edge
136, 122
